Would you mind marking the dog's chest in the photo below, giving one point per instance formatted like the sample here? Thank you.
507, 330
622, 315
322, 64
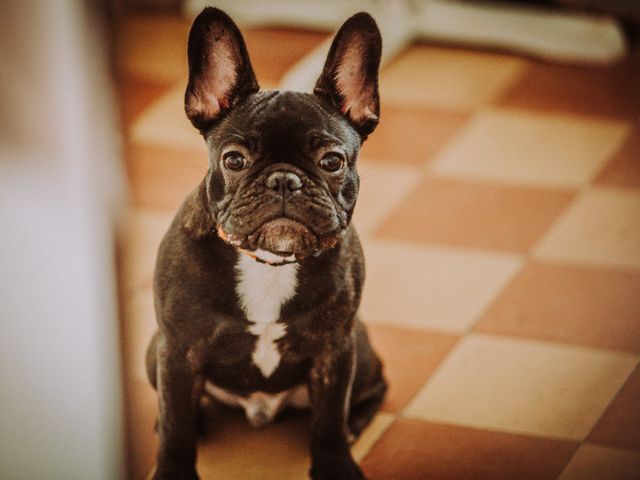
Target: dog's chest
262, 291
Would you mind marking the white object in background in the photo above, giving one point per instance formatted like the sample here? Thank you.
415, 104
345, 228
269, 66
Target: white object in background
60, 182
555, 35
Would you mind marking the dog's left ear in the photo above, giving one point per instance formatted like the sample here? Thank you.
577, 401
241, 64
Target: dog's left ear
349, 79
220, 72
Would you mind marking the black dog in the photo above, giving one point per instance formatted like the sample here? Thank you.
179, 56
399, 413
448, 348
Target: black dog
259, 278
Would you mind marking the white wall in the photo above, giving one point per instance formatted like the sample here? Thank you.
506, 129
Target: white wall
60, 182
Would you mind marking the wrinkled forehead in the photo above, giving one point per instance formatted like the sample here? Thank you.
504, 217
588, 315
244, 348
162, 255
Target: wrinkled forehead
273, 118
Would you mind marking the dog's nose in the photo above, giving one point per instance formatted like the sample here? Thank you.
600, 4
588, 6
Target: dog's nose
283, 181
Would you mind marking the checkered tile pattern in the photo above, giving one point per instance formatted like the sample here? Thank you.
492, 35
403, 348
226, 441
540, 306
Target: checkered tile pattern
500, 216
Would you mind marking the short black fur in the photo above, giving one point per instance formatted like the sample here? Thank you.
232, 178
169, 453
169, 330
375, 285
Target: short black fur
277, 196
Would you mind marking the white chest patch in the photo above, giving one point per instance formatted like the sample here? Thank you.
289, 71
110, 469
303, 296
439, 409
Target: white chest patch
262, 290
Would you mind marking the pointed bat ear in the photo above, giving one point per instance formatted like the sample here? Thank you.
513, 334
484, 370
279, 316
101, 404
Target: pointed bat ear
220, 72
349, 79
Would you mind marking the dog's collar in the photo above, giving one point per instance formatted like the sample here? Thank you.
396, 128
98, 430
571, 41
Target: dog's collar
263, 256
268, 258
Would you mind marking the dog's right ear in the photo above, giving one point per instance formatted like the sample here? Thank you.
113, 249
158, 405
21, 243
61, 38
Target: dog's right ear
220, 72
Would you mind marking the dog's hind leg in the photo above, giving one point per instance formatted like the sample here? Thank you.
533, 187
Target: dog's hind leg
369, 386
364, 410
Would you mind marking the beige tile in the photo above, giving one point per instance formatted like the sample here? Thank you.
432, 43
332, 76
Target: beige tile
523, 386
409, 357
164, 123
532, 149
370, 436
140, 236
601, 227
427, 287
442, 77
382, 190
594, 462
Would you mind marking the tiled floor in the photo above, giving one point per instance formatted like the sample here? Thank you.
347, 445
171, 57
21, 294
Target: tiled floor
500, 216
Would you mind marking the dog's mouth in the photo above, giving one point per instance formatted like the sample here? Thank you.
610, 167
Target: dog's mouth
284, 237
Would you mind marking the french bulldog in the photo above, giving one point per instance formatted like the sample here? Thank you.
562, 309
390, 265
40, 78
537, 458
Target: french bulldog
258, 279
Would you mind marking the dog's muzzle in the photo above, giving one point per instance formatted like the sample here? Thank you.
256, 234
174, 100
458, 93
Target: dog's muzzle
286, 215
283, 236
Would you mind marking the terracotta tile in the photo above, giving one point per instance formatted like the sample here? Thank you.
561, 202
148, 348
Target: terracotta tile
620, 424
462, 213
273, 51
425, 287
415, 450
153, 47
165, 123
372, 207
232, 449
623, 170
161, 177
523, 386
410, 135
141, 412
137, 94
600, 228
409, 358
526, 148
602, 463
587, 306
443, 77
601, 91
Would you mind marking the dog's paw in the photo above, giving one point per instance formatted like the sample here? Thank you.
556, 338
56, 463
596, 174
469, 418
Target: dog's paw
332, 467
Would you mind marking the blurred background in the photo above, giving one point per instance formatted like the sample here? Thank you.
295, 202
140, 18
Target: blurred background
499, 212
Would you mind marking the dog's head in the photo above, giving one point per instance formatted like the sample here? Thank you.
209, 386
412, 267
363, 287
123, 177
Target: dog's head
282, 165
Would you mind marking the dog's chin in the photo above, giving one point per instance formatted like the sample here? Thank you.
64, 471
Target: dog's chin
285, 237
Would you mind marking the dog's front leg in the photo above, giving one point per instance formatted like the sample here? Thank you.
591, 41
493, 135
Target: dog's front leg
179, 389
330, 385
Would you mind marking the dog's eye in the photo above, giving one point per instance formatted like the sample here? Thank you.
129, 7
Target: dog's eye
332, 162
234, 160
